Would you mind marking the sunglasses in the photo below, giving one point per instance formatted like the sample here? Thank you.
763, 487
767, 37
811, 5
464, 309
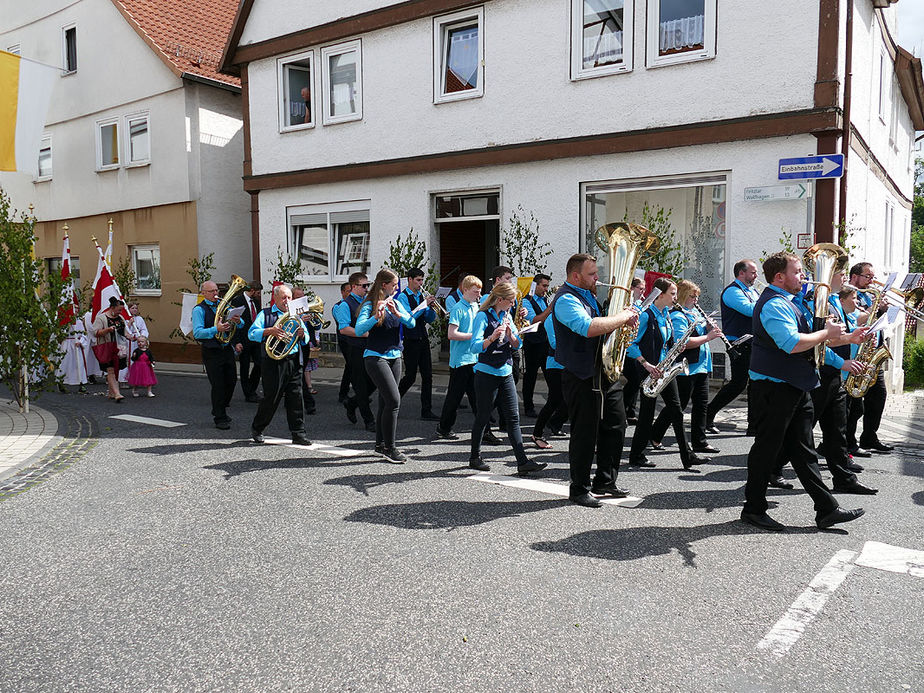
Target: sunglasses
365, 286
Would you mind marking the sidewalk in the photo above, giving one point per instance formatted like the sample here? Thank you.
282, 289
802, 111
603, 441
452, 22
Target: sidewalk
22, 436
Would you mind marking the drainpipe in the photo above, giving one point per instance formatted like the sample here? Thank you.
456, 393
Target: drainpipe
845, 135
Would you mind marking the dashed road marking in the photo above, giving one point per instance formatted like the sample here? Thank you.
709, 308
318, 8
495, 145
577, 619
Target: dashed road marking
163, 423
318, 447
808, 605
546, 487
893, 559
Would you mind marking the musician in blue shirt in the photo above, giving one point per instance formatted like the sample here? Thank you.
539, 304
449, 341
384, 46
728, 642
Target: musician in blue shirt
554, 412
461, 359
217, 356
345, 313
535, 344
417, 342
344, 393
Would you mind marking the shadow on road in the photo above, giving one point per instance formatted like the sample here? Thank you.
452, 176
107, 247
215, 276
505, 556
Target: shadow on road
363, 482
447, 514
238, 467
918, 497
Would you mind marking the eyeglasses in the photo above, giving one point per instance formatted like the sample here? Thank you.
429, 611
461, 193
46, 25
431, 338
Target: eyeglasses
365, 286
868, 276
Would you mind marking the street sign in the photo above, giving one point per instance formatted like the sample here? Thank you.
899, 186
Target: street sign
822, 166
797, 191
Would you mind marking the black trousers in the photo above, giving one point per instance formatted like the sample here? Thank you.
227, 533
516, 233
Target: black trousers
592, 433
461, 384
554, 412
634, 375
672, 412
869, 408
250, 358
385, 373
363, 387
829, 402
695, 387
502, 390
222, 374
282, 380
345, 378
417, 357
534, 355
732, 388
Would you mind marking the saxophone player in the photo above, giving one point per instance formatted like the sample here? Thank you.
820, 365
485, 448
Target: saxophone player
579, 325
217, 356
652, 343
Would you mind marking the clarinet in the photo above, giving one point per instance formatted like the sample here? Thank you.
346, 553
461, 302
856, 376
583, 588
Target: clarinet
730, 349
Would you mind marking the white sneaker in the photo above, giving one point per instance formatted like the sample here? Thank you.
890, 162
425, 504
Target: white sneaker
150, 394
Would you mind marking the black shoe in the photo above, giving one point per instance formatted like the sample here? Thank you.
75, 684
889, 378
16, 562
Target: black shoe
445, 435
694, 460
531, 413
479, 464
222, 425
370, 426
257, 436
762, 521
490, 439
779, 482
838, 516
253, 399
712, 430
429, 416
587, 500
707, 448
853, 466
300, 440
531, 467
856, 488
395, 455
91, 379
655, 446
880, 447
311, 412
350, 410
611, 490
641, 462
380, 448
632, 420
860, 452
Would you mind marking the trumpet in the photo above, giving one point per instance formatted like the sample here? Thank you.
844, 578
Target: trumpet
440, 308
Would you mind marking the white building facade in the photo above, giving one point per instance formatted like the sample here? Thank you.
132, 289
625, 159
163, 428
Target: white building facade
368, 119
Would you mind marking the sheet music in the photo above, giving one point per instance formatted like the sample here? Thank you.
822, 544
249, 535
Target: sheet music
534, 327
234, 312
443, 292
885, 320
297, 306
889, 281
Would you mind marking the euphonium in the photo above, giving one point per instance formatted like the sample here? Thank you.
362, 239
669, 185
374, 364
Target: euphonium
625, 244
315, 312
869, 355
825, 260
652, 387
234, 288
278, 348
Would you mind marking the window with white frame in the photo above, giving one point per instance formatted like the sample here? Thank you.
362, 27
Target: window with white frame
14, 49
296, 91
44, 159
138, 139
601, 37
146, 265
341, 76
458, 56
107, 144
69, 49
680, 31
331, 241
883, 86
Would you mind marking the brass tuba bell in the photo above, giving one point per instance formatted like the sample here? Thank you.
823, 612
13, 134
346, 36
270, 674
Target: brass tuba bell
221, 310
823, 260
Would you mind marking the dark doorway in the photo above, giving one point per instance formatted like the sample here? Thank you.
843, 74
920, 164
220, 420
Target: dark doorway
467, 247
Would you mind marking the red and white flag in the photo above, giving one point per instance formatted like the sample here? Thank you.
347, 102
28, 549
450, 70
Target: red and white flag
67, 307
104, 288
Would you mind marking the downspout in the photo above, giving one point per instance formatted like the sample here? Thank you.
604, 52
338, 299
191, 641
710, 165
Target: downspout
845, 135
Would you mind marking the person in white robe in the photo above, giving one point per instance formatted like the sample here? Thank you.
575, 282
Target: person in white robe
73, 367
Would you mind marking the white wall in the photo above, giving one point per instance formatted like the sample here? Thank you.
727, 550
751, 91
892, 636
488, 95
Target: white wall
271, 18
528, 93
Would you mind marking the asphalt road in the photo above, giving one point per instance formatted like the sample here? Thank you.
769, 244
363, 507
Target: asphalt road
189, 559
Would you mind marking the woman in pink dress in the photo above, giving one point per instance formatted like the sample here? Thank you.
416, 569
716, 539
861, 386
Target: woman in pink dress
141, 372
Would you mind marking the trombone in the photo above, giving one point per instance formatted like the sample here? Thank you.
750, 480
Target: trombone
909, 300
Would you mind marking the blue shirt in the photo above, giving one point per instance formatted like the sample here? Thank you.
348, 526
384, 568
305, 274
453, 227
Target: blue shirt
365, 321
779, 319
739, 302
663, 317
528, 304
428, 314
200, 331
255, 333
550, 361
477, 344
463, 317
341, 313
680, 321
571, 313
808, 310
452, 302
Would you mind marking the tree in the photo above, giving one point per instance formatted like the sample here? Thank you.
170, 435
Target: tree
916, 259
29, 297
669, 258
404, 254
522, 250
288, 269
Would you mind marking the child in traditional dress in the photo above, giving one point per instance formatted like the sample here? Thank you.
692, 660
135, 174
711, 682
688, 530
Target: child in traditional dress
141, 372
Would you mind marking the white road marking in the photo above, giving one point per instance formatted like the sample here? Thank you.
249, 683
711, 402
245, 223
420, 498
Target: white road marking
893, 559
147, 420
808, 605
318, 447
546, 487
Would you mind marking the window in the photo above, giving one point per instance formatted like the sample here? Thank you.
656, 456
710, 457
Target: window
139, 139
342, 79
54, 267
14, 49
107, 144
883, 87
680, 31
331, 241
458, 56
70, 49
44, 159
601, 37
296, 103
146, 264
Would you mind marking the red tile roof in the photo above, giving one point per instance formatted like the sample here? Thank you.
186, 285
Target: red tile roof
189, 36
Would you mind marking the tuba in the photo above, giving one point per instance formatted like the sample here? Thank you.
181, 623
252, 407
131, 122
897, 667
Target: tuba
221, 310
278, 348
825, 260
869, 355
625, 244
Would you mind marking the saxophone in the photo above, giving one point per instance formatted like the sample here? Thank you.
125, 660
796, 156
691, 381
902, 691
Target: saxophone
869, 355
652, 387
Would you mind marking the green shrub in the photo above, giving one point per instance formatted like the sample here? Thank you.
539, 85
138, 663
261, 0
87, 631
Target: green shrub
913, 361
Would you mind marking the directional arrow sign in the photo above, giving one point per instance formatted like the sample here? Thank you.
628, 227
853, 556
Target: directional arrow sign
797, 191
823, 166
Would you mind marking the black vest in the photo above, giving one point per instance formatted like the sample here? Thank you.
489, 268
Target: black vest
341, 338
385, 336
269, 319
844, 350
419, 331
497, 354
354, 303
539, 336
768, 359
208, 321
652, 341
455, 295
575, 353
734, 323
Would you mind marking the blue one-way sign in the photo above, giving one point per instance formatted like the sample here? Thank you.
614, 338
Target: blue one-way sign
821, 166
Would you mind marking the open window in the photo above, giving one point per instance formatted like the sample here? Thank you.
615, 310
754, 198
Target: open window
296, 91
342, 67
601, 37
458, 55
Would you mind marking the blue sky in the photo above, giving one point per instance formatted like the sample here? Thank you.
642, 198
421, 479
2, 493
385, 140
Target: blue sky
911, 26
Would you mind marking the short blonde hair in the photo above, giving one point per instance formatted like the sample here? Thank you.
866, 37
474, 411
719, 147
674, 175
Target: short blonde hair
469, 281
685, 289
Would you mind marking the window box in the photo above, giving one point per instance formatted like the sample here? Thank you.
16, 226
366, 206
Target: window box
108, 147
44, 160
458, 56
138, 139
296, 91
330, 240
69, 49
680, 31
146, 265
601, 37
341, 77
